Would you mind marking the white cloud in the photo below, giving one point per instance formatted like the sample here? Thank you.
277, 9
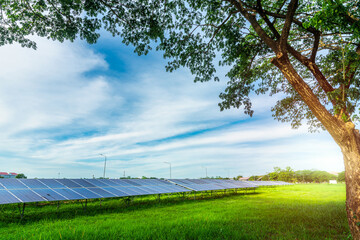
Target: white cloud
49, 104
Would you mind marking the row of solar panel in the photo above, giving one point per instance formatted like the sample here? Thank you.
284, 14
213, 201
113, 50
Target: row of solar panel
269, 183
211, 184
38, 190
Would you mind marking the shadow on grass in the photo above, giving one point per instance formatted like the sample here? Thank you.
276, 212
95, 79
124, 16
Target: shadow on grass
10, 214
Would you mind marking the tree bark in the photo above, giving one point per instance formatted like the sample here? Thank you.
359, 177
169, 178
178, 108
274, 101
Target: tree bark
351, 152
344, 134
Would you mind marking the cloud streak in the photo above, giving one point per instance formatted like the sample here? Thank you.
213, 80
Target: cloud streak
64, 104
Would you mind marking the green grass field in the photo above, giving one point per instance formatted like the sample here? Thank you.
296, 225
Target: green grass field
313, 211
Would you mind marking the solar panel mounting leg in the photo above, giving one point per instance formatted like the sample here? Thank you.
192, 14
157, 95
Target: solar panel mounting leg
159, 197
21, 210
84, 205
58, 205
194, 195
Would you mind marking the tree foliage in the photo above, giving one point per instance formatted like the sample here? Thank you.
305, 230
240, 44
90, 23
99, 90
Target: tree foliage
322, 38
57, 20
289, 175
21, 175
196, 34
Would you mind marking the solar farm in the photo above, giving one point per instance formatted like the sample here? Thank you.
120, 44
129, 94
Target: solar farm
170, 209
23, 191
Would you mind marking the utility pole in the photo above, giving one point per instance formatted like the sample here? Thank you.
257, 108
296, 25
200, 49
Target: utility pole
104, 163
170, 167
205, 171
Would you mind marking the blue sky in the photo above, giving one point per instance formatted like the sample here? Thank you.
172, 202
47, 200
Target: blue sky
64, 104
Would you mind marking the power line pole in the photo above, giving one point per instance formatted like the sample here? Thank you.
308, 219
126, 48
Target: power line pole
170, 167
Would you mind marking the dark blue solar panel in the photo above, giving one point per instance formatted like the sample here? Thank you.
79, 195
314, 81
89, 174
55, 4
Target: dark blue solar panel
6, 197
131, 182
115, 191
102, 192
12, 184
26, 195
83, 183
128, 191
121, 182
98, 183
113, 182
32, 183
149, 190
52, 183
49, 194
68, 183
86, 193
69, 194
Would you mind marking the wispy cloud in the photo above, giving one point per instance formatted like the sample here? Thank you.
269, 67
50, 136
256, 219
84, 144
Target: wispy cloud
64, 104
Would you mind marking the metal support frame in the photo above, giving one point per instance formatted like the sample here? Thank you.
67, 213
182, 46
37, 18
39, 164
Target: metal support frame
194, 195
58, 205
159, 197
84, 205
21, 210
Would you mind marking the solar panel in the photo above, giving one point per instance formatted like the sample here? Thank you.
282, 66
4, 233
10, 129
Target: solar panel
116, 192
102, 192
211, 184
6, 197
12, 184
69, 183
27, 195
86, 193
40, 190
51, 183
69, 194
269, 183
49, 194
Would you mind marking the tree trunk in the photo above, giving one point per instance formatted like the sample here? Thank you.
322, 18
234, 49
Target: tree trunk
351, 152
344, 134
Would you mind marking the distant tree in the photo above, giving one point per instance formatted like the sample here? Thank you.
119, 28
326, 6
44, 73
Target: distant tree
341, 177
254, 178
279, 174
21, 175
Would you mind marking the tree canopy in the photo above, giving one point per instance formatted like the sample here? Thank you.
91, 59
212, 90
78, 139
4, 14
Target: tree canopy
322, 38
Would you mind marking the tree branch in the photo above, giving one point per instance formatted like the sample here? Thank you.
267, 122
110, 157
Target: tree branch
314, 69
267, 21
316, 46
289, 19
254, 23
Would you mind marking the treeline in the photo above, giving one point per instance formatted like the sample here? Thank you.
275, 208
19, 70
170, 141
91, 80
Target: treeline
289, 175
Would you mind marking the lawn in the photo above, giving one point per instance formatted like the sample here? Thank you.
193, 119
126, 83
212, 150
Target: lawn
312, 211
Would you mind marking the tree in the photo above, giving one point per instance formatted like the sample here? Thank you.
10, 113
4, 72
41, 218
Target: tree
57, 20
21, 175
306, 50
286, 175
341, 177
